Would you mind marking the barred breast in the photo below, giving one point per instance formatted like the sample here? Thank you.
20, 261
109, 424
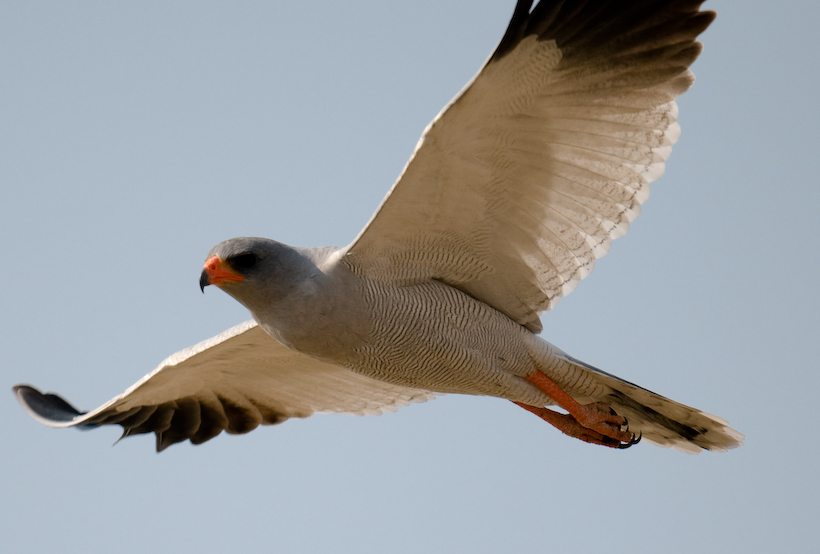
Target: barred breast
435, 337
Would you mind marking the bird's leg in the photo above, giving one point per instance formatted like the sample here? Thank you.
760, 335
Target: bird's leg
595, 423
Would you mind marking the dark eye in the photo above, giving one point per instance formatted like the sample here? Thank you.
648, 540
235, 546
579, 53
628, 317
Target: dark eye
246, 260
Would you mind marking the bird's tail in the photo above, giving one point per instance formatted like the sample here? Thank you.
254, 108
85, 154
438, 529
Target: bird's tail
660, 420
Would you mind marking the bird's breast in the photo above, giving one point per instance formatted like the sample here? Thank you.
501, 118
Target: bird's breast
326, 319
433, 336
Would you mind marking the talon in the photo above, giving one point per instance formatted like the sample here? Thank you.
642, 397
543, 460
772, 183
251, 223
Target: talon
633, 441
625, 426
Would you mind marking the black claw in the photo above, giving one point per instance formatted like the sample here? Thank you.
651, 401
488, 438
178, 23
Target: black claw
633, 441
625, 426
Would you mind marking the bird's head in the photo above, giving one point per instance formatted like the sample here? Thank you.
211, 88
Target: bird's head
255, 271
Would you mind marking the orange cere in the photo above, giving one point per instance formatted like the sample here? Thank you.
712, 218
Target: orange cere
219, 271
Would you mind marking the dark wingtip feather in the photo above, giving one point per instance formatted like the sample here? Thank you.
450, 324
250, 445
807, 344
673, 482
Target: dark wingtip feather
515, 30
590, 27
47, 407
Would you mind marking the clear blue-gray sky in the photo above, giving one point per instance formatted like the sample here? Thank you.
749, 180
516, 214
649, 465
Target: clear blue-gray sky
135, 135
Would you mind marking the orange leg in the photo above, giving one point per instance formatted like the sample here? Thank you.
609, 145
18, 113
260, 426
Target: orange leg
594, 423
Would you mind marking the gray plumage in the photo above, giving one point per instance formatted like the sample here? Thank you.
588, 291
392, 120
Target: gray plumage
513, 192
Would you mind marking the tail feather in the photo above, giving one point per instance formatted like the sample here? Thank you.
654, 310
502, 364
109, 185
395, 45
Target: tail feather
662, 421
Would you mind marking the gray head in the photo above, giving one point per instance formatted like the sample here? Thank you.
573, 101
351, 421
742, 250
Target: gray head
256, 271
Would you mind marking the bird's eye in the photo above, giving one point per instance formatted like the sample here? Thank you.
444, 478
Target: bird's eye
246, 260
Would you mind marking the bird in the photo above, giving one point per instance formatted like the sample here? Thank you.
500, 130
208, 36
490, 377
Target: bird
513, 192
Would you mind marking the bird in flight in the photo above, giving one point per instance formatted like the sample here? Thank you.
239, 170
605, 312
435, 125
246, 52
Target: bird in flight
512, 193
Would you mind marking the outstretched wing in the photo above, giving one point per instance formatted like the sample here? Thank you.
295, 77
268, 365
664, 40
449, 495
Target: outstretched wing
234, 382
520, 184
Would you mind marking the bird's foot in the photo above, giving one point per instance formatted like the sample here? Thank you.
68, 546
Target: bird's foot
601, 418
571, 427
597, 421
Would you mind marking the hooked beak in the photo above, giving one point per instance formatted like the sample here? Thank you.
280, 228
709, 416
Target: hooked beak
217, 271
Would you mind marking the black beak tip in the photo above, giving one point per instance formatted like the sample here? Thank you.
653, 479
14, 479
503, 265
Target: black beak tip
203, 281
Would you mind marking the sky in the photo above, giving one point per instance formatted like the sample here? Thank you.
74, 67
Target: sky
136, 135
